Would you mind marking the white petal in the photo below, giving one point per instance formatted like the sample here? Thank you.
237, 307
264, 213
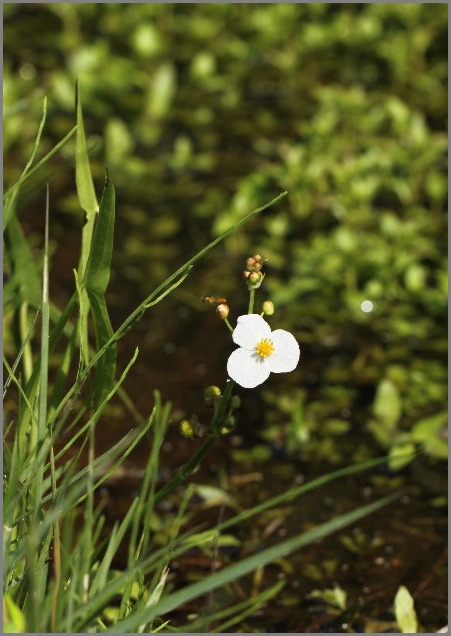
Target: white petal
250, 329
247, 369
286, 352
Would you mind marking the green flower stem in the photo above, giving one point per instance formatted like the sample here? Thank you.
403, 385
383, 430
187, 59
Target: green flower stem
198, 456
229, 326
251, 301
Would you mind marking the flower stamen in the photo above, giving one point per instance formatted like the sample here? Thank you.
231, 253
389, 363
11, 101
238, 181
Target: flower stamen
264, 348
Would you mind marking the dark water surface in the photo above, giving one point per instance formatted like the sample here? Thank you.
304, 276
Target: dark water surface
183, 350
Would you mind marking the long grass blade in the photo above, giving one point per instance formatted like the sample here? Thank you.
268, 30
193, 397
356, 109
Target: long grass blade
42, 161
10, 197
97, 276
85, 186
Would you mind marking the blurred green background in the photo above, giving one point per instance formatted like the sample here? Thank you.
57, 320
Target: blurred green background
204, 112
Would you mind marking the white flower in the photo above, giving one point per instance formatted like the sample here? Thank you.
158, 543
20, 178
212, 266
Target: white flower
261, 351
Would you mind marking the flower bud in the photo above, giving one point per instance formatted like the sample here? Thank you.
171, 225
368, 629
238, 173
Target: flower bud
254, 263
268, 308
254, 280
222, 310
211, 393
228, 425
187, 429
235, 402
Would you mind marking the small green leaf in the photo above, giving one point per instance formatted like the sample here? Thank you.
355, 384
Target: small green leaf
25, 274
334, 596
405, 611
415, 277
161, 90
432, 432
401, 454
387, 403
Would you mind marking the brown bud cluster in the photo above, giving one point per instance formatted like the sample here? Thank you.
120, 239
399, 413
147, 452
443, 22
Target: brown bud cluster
254, 263
254, 277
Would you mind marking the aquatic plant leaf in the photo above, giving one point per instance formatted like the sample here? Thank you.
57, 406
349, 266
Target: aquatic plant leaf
334, 596
432, 432
387, 403
161, 90
405, 611
401, 454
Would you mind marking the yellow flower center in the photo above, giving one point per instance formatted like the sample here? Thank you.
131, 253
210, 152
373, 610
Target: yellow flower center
264, 348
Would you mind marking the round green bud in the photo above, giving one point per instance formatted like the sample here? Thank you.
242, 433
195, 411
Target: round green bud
212, 391
254, 280
228, 425
235, 402
268, 308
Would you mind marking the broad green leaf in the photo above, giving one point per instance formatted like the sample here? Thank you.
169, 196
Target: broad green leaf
405, 611
401, 454
432, 432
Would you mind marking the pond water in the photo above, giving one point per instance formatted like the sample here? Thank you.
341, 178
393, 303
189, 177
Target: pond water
183, 348
403, 544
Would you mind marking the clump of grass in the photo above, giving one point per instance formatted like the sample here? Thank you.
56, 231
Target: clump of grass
59, 572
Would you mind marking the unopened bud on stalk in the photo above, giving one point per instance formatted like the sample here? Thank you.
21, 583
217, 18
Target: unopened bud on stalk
211, 394
268, 308
235, 402
254, 279
222, 310
228, 425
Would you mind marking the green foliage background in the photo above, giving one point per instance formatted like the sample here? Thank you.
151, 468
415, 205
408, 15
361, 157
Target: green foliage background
203, 112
